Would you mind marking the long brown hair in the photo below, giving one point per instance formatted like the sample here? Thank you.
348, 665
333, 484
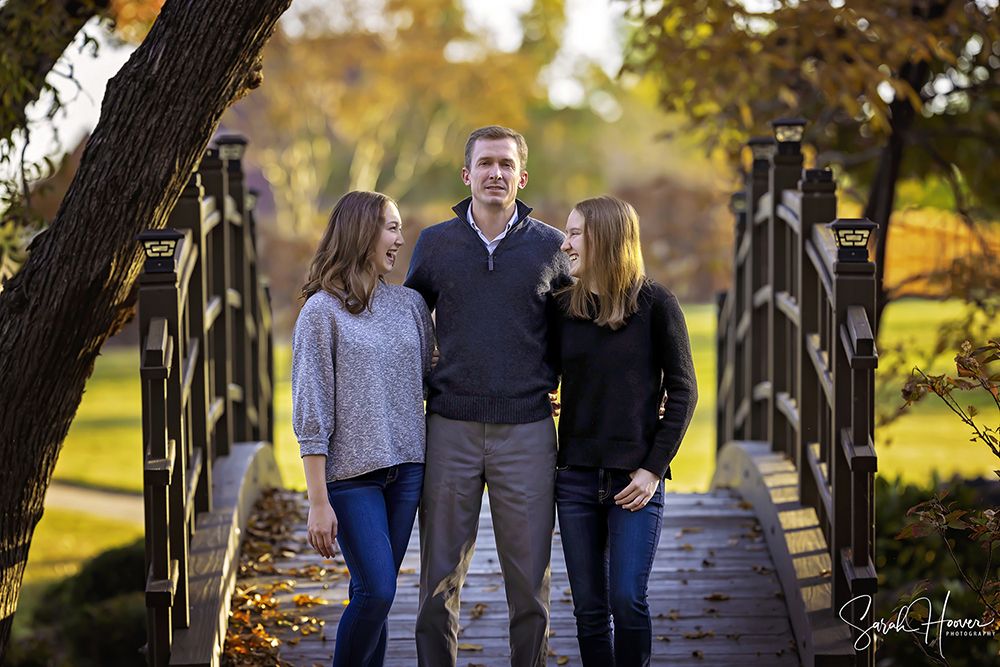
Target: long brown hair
345, 258
612, 264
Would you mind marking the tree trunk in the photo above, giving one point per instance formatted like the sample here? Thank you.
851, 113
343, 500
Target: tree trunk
882, 198
35, 34
158, 115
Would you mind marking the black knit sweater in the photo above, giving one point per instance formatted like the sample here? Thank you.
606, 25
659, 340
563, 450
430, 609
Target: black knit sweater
492, 316
613, 383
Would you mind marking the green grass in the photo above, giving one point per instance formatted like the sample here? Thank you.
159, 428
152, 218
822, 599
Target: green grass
63, 541
104, 445
930, 438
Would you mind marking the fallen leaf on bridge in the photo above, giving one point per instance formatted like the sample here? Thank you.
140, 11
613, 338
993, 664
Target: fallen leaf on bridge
701, 634
717, 596
470, 647
662, 638
304, 600
478, 610
698, 654
562, 660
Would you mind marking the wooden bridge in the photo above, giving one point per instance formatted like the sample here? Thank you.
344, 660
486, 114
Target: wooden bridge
760, 570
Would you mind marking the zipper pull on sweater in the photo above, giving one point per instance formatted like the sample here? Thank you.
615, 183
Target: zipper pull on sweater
491, 261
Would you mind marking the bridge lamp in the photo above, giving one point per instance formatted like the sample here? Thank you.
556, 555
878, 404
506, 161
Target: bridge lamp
738, 202
763, 148
788, 132
159, 246
232, 147
852, 235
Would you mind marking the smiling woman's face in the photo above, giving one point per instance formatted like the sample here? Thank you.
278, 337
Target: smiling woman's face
389, 240
574, 245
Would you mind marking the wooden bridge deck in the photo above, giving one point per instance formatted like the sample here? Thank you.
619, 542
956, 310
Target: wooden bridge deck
713, 596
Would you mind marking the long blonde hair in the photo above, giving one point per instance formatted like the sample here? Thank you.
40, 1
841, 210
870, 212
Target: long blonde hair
612, 266
344, 262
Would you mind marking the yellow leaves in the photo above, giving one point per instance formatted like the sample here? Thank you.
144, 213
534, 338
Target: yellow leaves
700, 634
470, 647
304, 600
478, 610
672, 21
788, 96
562, 660
717, 596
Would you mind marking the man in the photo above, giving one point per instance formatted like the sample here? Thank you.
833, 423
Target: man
488, 273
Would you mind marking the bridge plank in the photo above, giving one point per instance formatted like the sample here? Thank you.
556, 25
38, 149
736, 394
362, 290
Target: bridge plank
726, 556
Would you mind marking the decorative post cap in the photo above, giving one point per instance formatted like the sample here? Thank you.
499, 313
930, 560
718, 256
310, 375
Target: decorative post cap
788, 132
738, 202
763, 148
232, 147
852, 235
159, 246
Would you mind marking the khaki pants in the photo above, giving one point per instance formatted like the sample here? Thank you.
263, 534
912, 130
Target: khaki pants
517, 462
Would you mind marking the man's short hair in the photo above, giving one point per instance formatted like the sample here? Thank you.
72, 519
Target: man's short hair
497, 132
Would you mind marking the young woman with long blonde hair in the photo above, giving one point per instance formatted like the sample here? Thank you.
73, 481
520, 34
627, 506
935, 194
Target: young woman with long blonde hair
361, 350
623, 348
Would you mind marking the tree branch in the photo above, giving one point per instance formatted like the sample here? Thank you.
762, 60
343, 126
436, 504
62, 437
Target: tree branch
35, 33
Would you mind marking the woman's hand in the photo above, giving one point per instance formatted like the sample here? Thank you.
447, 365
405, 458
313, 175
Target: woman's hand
322, 528
639, 490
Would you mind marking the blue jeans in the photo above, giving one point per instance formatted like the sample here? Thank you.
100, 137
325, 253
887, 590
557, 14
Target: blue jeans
609, 552
375, 513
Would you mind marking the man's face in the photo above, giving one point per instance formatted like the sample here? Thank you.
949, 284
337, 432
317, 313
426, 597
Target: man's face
494, 173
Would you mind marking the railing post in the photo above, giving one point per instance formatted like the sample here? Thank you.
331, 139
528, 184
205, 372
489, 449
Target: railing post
819, 206
244, 412
190, 213
756, 281
853, 456
215, 178
786, 168
732, 415
257, 420
164, 347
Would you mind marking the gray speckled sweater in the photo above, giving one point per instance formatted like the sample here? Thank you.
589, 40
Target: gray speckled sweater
358, 381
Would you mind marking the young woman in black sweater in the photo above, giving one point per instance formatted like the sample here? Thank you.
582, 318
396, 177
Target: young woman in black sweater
623, 348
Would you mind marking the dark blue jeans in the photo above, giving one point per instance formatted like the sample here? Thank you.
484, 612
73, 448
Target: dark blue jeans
609, 553
375, 513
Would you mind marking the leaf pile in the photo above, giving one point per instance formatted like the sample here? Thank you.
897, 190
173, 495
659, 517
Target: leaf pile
269, 531
257, 626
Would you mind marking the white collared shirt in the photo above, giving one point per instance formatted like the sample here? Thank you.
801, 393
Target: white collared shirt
492, 245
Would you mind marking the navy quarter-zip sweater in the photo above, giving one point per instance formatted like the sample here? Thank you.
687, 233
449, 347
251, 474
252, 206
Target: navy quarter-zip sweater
492, 315
613, 383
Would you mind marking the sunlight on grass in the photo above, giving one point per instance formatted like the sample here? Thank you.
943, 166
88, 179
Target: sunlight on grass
66, 538
63, 541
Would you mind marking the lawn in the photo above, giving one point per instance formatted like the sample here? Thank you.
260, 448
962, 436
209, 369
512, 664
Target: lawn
104, 444
63, 540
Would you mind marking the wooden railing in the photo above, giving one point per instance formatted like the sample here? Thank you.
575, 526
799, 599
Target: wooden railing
206, 369
796, 360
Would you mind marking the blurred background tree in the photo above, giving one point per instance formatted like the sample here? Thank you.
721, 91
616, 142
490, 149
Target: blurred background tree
894, 90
